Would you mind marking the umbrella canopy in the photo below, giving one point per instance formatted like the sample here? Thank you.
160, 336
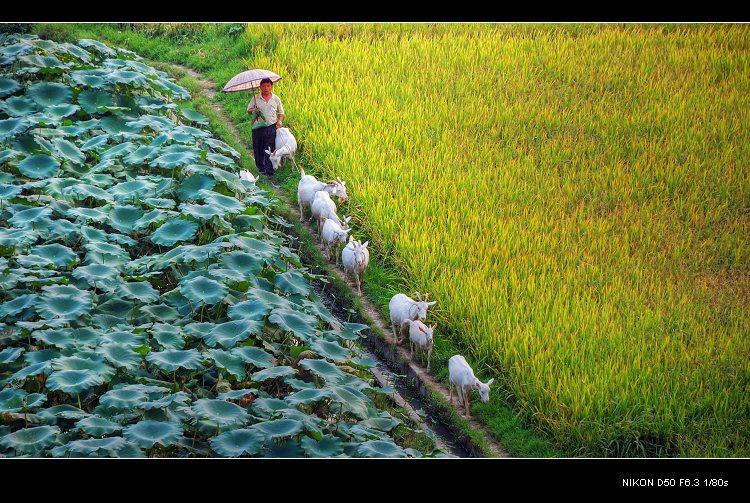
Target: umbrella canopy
249, 80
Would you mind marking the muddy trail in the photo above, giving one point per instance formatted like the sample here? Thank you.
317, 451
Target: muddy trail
412, 382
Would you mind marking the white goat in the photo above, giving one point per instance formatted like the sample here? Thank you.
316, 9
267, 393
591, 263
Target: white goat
462, 377
403, 308
323, 208
286, 146
333, 234
355, 256
308, 186
421, 337
246, 175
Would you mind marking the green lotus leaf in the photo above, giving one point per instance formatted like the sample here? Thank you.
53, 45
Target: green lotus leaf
121, 399
119, 150
172, 360
97, 426
19, 106
292, 282
141, 154
172, 89
326, 370
98, 447
154, 216
64, 411
201, 211
64, 302
69, 151
180, 399
232, 364
151, 104
148, 433
39, 166
230, 333
114, 124
188, 113
226, 203
220, 159
174, 230
73, 381
48, 94
12, 399
222, 147
154, 122
193, 132
380, 449
116, 307
41, 355
127, 77
60, 255
31, 440
90, 78
198, 330
9, 355
156, 202
91, 100
255, 356
141, 291
12, 127
9, 86
327, 447
33, 261
31, 143
105, 277
174, 160
237, 394
274, 372
254, 309
238, 442
191, 187
61, 111
30, 216
67, 338
95, 142
124, 218
213, 415
18, 304
302, 325
125, 338
299, 385
98, 47
16, 49
307, 396
46, 64
266, 407
161, 312
278, 428
121, 355
137, 188
262, 249
32, 370
9, 191
169, 336
381, 423
79, 363
350, 399
83, 55
98, 252
201, 290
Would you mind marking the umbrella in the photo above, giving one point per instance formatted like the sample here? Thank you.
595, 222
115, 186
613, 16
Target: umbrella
249, 80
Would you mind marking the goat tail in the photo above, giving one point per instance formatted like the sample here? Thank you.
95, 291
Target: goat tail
302, 172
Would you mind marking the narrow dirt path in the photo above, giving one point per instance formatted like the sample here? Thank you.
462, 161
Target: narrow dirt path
400, 355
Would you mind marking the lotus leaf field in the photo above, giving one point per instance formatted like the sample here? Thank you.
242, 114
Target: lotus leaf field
148, 306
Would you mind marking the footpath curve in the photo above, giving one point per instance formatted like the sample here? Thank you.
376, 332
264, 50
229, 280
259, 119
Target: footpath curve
383, 342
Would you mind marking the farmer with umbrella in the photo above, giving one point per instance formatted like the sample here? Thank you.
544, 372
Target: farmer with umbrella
265, 110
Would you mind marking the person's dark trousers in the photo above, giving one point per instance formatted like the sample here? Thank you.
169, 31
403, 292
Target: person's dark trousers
264, 138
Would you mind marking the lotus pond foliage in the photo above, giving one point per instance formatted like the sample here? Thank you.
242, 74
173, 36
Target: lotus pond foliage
149, 305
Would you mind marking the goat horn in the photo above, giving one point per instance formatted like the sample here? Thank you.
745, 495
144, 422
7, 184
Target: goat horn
426, 296
419, 296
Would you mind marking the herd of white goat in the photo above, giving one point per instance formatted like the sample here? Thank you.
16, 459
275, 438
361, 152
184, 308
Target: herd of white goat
407, 314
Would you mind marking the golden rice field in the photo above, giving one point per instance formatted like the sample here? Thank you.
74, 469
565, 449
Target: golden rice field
576, 197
